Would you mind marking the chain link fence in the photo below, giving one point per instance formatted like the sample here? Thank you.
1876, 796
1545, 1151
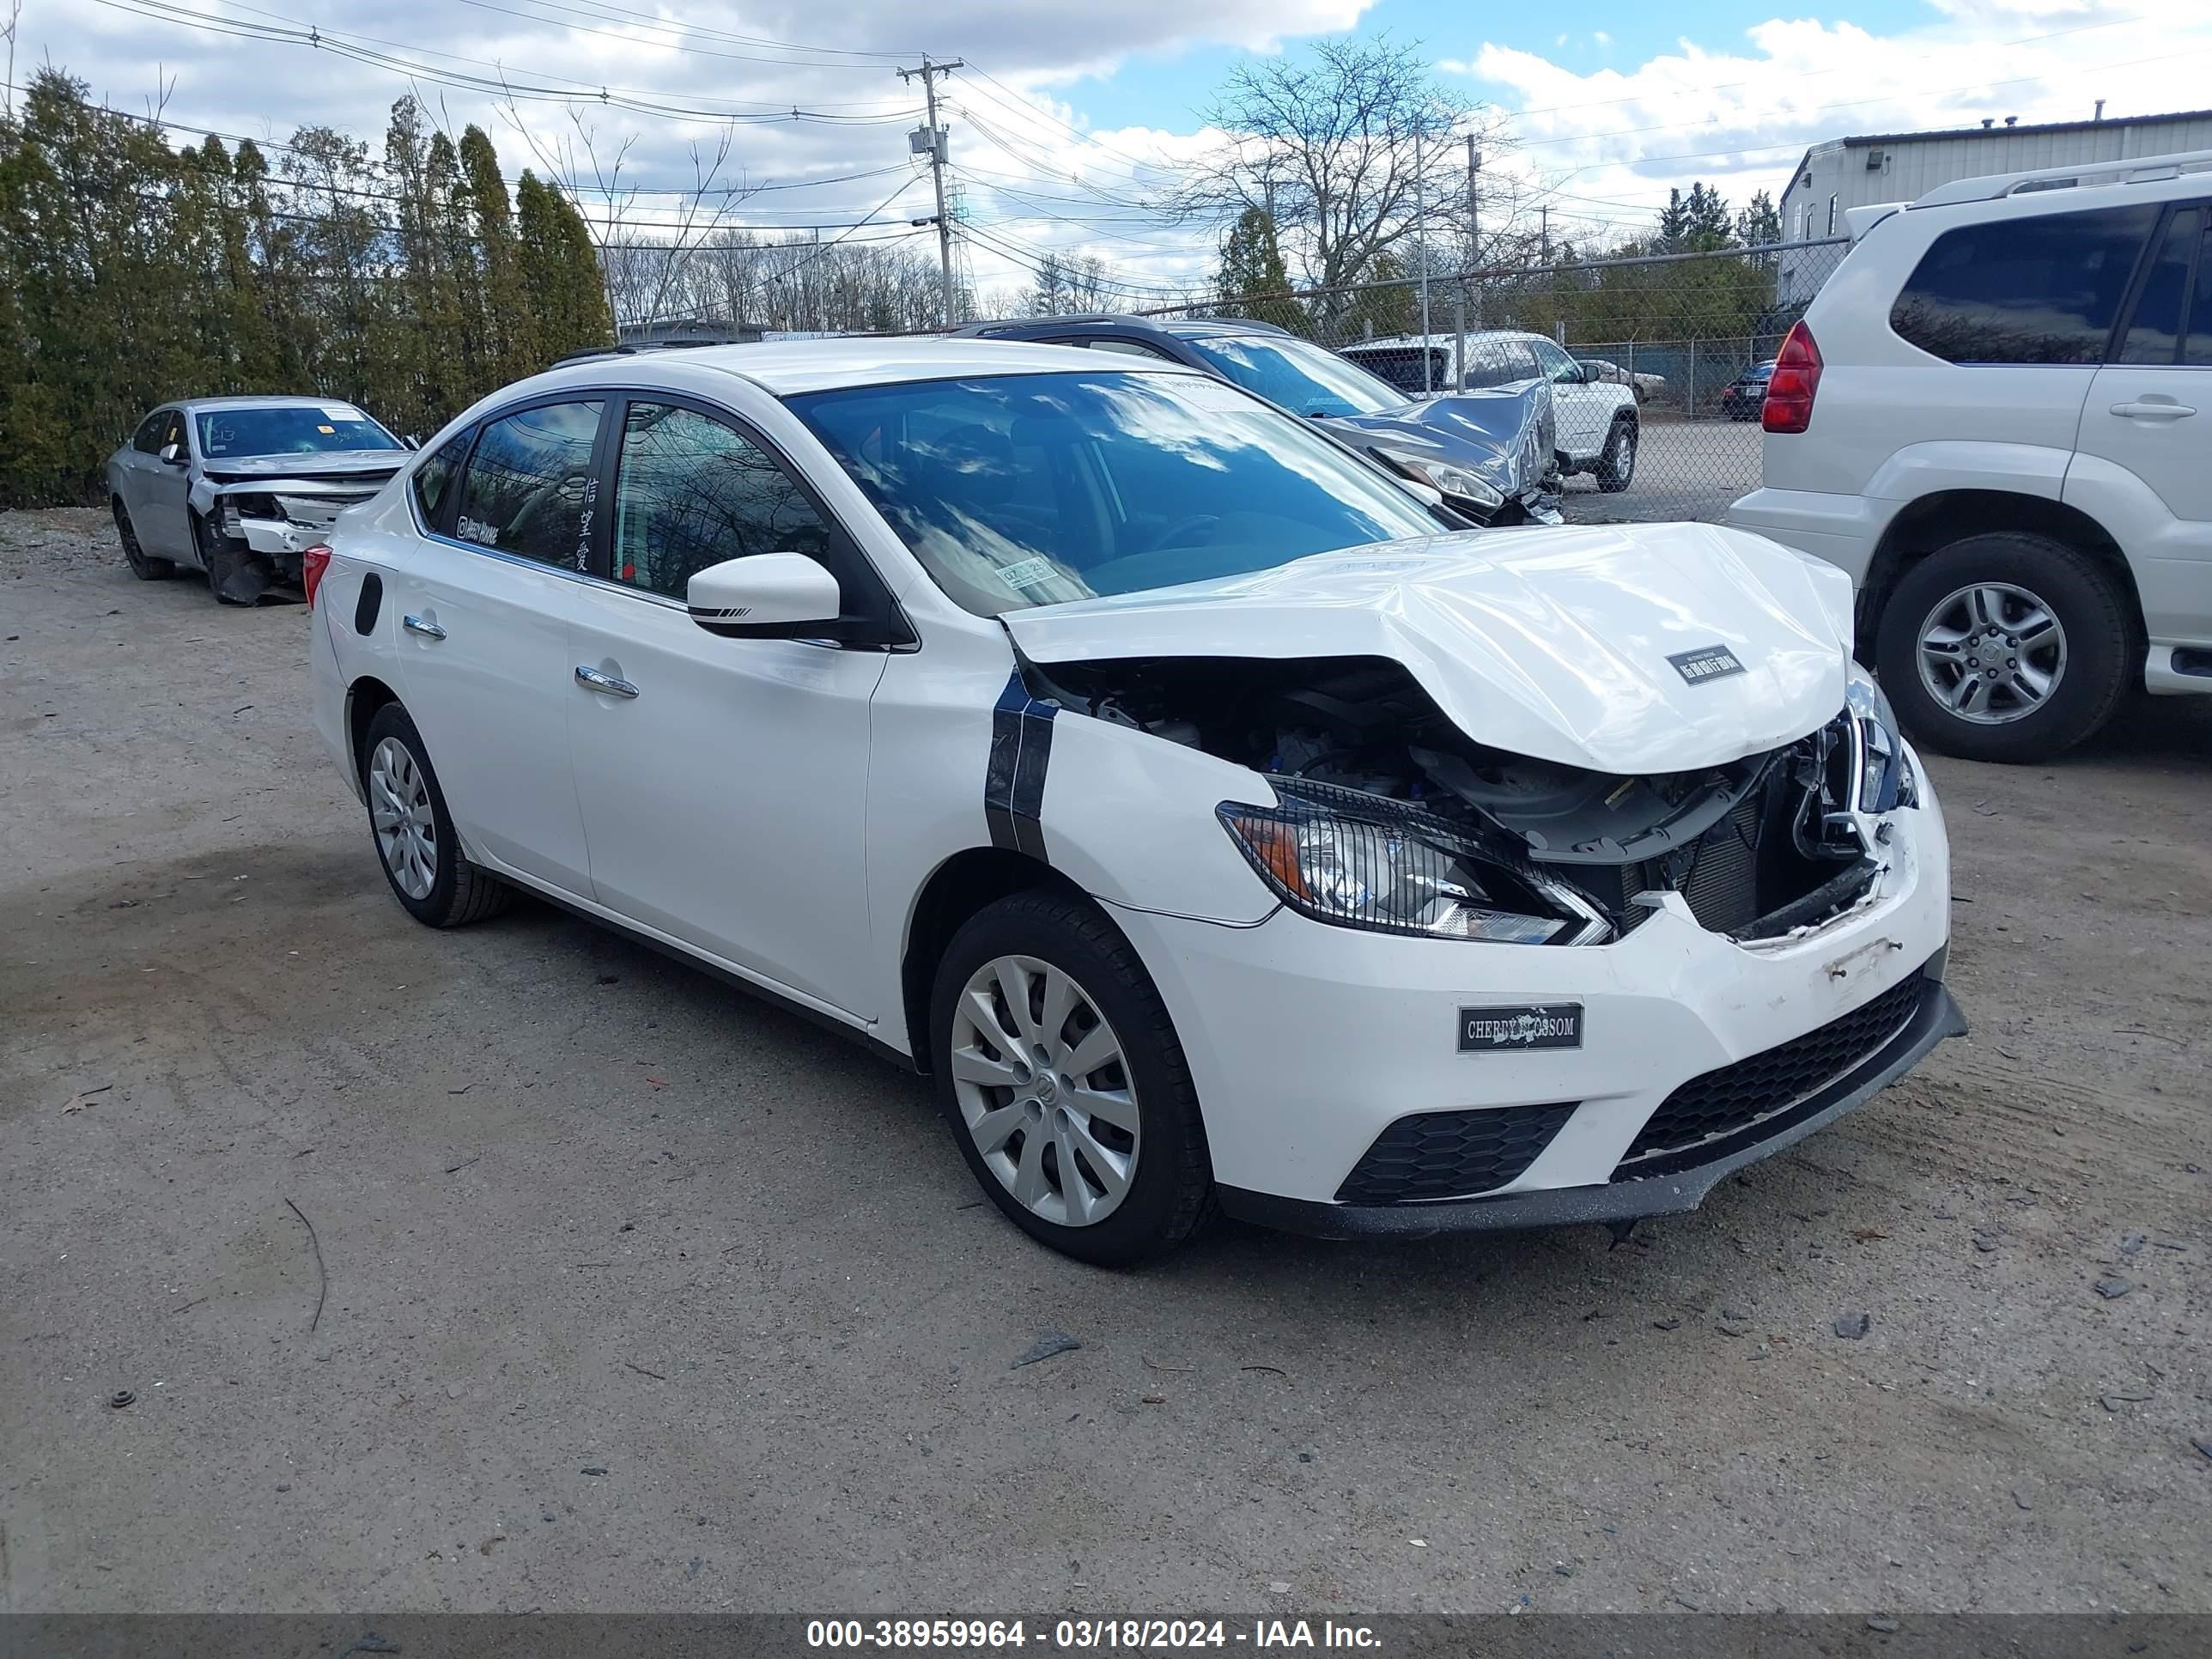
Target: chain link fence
1661, 353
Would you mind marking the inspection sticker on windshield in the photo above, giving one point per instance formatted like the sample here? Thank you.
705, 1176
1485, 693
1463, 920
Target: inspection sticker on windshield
1214, 397
1545, 1025
1712, 662
1029, 573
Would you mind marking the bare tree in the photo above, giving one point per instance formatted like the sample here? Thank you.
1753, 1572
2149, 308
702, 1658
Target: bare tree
647, 263
14, 19
1349, 151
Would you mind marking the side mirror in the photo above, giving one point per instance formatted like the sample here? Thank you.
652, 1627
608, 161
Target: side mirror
770, 596
172, 455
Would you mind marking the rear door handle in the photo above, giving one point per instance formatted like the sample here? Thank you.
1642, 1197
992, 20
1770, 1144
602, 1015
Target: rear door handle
2160, 412
428, 630
591, 680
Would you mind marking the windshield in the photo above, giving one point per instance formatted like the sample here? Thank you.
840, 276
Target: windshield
289, 429
1029, 489
1295, 374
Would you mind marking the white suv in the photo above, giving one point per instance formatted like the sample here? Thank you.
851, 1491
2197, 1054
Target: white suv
1599, 426
1986, 418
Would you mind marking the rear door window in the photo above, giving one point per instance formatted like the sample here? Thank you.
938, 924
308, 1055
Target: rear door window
1497, 362
528, 489
2040, 290
148, 440
2156, 332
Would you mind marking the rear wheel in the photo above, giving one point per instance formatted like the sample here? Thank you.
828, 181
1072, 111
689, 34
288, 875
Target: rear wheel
2006, 647
143, 565
1616, 464
415, 840
1059, 1071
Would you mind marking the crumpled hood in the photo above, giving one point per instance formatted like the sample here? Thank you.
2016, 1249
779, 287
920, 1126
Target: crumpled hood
372, 464
1552, 643
1504, 438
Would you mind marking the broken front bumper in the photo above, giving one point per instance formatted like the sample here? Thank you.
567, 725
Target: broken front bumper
1345, 1090
1934, 1016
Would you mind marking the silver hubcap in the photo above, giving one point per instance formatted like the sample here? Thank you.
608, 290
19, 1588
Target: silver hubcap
1623, 450
1044, 1091
1992, 653
406, 829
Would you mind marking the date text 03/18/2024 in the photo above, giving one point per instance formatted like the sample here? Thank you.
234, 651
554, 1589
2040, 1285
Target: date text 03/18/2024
1086, 1634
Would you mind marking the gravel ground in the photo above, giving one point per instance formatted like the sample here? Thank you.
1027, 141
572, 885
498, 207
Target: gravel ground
642, 1296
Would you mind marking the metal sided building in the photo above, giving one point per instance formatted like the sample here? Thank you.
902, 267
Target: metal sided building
1901, 167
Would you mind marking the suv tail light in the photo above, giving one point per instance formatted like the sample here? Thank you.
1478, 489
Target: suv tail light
1790, 394
313, 561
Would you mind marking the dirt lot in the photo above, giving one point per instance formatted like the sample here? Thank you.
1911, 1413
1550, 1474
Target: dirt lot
642, 1296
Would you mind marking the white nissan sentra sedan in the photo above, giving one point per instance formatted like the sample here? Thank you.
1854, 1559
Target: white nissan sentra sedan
1207, 816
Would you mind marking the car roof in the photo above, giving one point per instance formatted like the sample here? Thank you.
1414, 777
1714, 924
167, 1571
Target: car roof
283, 400
1403, 342
784, 367
1181, 328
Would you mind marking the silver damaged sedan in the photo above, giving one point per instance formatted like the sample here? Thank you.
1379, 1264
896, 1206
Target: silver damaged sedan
238, 488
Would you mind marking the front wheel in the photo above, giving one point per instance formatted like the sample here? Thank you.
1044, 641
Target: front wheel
2006, 647
422, 856
1616, 466
144, 565
1061, 1074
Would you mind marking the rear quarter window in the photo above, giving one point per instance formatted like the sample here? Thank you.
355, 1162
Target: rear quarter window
433, 480
2040, 290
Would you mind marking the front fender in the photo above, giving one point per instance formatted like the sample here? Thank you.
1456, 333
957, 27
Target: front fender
1130, 818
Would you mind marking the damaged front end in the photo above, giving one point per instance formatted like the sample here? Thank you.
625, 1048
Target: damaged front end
264, 524
1389, 817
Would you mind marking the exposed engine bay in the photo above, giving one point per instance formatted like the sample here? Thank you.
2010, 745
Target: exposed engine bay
1758, 848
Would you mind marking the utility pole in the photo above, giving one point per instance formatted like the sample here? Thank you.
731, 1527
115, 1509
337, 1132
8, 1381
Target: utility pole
930, 141
1473, 240
1421, 253
1473, 203
1544, 232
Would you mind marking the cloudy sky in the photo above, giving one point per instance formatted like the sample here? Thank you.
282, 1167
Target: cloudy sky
1066, 119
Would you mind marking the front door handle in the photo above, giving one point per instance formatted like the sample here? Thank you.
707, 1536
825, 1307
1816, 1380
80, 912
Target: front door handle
591, 680
2158, 411
428, 630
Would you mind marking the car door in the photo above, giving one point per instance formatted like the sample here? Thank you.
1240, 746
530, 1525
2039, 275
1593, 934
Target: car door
160, 515
2150, 414
485, 603
723, 781
1584, 412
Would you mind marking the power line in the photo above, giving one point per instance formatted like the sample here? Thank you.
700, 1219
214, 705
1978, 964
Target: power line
501, 86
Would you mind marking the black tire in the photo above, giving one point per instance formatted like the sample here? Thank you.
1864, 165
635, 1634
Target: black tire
460, 891
1615, 466
144, 565
2099, 644
1171, 1190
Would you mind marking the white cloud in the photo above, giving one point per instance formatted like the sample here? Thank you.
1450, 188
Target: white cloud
1610, 142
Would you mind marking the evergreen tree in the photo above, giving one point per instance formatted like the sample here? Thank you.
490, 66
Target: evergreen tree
1253, 282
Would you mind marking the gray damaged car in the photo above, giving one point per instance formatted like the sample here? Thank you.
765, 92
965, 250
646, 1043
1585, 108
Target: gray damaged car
238, 488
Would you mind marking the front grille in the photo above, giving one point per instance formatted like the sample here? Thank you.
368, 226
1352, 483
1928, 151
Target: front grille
1733, 1097
1452, 1154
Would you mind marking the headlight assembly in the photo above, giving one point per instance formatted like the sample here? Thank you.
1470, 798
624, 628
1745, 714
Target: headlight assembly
1442, 474
1884, 780
1397, 873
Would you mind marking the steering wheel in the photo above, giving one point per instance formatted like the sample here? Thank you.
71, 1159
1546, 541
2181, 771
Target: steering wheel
1172, 536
